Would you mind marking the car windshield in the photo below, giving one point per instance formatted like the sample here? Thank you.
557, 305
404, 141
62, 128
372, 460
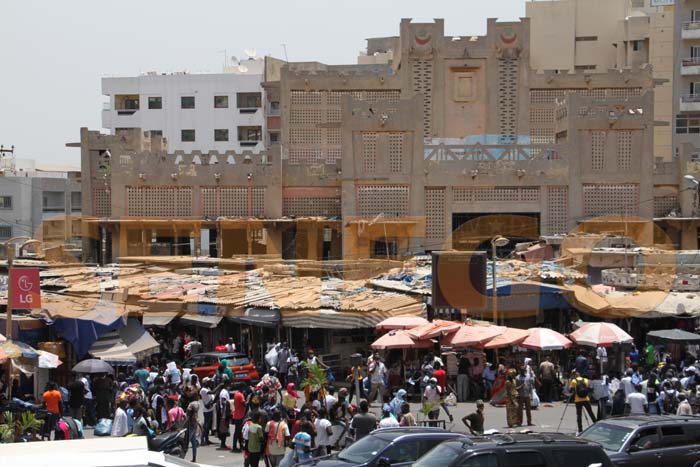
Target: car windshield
611, 437
441, 455
363, 450
237, 361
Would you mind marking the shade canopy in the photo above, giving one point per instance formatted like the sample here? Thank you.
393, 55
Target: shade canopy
15, 349
400, 339
159, 318
205, 321
93, 365
600, 335
48, 359
126, 346
401, 322
673, 336
545, 339
472, 336
434, 329
509, 338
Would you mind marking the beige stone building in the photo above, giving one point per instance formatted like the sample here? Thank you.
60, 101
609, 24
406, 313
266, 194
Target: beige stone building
431, 142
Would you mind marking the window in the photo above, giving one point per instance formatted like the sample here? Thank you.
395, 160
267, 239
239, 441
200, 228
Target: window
695, 51
5, 231
637, 45
221, 102
187, 136
187, 102
154, 133
76, 198
384, 249
524, 459
274, 138
483, 460
578, 457
672, 436
274, 108
53, 201
126, 104
646, 438
695, 15
463, 87
5, 202
221, 135
586, 38
155, 102
401, 452
688, 124
585, 67
249, 135
248, 102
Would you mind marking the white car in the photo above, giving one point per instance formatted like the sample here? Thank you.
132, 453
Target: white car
102, 452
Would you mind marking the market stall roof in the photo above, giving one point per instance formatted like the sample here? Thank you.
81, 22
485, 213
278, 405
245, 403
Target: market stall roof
401, 322
266, 317
400, 339
673, 336
158, 318
127, 345
206, 321
332, 319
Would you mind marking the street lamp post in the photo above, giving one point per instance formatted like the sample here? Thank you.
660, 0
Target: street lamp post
497, 241
696, 201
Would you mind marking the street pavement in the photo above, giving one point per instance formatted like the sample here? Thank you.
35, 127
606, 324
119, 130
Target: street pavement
546, 419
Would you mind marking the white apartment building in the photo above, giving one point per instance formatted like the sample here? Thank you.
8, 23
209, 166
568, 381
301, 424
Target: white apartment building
687, 76
193, 111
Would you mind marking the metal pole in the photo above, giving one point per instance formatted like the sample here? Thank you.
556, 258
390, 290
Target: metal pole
8, 316
494, 291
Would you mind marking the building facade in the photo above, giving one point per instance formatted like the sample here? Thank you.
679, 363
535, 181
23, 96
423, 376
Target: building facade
436, 142
192, 111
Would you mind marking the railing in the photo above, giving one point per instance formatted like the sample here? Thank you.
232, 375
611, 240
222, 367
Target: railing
690, 98
691, 25
691, 61
493, 152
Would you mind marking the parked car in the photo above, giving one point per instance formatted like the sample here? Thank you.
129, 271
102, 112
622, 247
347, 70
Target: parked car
205, 364
654, 440
516, 450
388, 447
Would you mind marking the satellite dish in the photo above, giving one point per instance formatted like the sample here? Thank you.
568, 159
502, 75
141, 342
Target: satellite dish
242, 68
251, 53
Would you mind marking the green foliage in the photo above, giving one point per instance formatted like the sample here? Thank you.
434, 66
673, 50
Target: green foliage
315, 377
428, 407
14, 428
7, 429
29, 423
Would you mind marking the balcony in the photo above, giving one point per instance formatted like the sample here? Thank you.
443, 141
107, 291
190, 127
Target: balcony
691, 30
690, 66
690, 103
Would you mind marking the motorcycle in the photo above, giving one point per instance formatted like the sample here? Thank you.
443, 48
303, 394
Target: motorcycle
174, 443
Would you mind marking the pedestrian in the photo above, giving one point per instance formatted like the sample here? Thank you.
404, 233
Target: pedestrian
120, 424
581, 387
283, 362
397, 402
668, 399
76, 399
141, 376
407, 418
525, 386
376, 371
638, 402
463, 378
238, 417
581, 364
52, 402
277, 433
302, 447
475, 420
683, 406
489, 376
626, 382
511, 394
256, 439
89, 403
602, 395
208, 402
193, 426
324, 431
363, 422
102, 389
223, 415
440, 374
176, 416
547, 376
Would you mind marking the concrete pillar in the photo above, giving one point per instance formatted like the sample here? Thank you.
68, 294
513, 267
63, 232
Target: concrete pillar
312, 242
197, 250
274, 241
123, 242
689, 236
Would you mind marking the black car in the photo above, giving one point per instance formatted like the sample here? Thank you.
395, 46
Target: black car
516, 450
386, 447
654, 440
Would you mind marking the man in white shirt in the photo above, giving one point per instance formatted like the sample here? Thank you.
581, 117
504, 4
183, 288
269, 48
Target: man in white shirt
208, 405
120, 425
638, 402
377, 372
626, 382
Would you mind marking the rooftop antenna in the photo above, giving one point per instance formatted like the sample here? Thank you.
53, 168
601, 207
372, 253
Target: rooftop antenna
225, 57
284, 48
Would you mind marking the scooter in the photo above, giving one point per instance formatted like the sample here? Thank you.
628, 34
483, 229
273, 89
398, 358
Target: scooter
174, 443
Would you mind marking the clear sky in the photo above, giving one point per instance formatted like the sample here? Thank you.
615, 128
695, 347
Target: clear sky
53, 52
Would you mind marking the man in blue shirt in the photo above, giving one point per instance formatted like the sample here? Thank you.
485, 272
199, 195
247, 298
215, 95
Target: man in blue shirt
302, 447
582, 364
141, 376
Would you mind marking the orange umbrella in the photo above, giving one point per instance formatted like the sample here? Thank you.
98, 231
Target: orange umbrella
436, 328
510, 337
472, 336
401, 322
399, 339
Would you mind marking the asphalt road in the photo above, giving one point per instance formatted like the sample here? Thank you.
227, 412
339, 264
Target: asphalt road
546, 418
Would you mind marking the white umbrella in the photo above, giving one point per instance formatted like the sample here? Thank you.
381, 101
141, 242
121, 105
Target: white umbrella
600, 335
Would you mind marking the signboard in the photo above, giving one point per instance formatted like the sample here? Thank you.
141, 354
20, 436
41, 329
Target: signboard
662, 2
459, 280
25, 288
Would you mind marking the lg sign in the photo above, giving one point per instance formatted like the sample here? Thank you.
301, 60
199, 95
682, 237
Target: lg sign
25, 288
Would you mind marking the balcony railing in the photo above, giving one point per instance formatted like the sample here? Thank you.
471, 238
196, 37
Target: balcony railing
493, 152
690, 98
692, 61
691, 25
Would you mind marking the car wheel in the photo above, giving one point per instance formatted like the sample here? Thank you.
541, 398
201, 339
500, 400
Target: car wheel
178, 452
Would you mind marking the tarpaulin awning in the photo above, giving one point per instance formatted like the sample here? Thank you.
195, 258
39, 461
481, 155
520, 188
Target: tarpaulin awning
206, 321
673, 336
128, 345
163, 318
82, 334
269, 317
332, 319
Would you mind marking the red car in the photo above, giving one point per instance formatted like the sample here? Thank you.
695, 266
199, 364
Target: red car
205, 364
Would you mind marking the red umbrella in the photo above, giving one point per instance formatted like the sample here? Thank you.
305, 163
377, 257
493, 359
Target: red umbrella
400, 340
401, 322
436, 328
545, 339
509, 338
600, 334
472, 336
